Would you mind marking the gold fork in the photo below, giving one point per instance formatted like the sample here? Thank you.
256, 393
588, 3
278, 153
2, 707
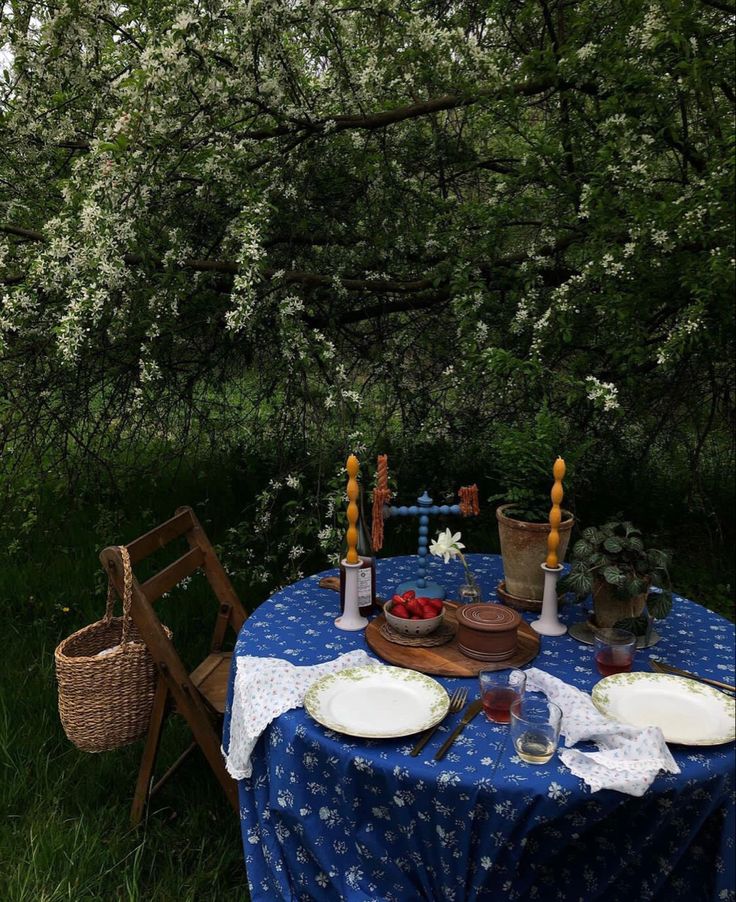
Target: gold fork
457, 703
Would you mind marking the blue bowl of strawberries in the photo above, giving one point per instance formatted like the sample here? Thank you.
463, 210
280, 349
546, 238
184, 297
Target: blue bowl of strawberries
412, 615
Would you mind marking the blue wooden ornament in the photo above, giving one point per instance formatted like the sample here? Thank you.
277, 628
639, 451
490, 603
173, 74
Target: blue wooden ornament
424, 509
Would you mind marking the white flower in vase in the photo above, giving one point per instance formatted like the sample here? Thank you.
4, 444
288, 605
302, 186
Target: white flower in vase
448, 545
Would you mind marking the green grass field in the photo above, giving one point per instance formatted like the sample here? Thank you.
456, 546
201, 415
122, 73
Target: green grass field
64, 831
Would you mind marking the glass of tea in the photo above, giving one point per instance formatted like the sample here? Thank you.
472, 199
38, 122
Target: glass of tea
499, 689
535, 728
614, 651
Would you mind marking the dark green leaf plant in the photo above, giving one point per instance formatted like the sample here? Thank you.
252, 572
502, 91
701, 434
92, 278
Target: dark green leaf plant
616, 553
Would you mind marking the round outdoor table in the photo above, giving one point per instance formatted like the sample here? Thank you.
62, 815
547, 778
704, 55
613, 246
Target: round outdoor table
329, 817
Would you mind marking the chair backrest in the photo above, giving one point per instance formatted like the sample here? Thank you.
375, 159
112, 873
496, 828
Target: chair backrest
201, 555
175, 682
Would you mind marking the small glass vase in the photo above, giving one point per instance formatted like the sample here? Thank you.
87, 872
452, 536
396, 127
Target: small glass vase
469, 594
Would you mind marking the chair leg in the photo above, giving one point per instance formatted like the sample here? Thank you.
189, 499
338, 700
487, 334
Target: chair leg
150, 751
207, 739
173, 769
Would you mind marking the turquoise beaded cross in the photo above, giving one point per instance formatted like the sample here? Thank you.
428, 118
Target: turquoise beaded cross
424, 509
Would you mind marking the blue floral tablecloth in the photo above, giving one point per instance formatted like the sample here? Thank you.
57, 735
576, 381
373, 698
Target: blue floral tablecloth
327, 817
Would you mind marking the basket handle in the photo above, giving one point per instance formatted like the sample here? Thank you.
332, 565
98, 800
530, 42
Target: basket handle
127, 594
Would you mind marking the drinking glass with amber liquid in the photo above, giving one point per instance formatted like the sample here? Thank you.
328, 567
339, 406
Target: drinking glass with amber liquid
499, 689
614, 651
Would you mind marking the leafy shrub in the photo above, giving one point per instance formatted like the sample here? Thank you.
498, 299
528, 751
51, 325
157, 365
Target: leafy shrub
615, 553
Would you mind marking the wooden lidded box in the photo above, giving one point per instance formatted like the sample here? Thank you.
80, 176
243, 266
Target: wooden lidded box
487, 632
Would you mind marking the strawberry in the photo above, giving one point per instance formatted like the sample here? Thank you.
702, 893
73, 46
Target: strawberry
399, 610
398, 599
414, 607
435, 604
428, 614
409, 594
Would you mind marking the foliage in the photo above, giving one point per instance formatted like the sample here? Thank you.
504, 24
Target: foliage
523, 462
615, 554
232, 223
284, 534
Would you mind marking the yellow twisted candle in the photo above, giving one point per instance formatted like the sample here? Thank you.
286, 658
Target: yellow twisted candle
352, 534
555, 515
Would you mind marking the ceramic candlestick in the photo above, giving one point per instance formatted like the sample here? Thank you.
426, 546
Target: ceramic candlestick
351, 618
549, 623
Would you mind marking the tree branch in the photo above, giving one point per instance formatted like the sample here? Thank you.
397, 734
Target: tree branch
729, 8
21, 232
379, 310
383, 118
373, 121
493, 165
230, 267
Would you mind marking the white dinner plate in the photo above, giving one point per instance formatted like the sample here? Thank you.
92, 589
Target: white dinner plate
687, 712
377, 702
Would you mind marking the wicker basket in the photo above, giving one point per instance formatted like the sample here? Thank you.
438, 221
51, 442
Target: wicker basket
106, 678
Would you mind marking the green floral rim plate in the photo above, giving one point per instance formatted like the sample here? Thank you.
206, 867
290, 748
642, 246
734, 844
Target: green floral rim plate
687, 712
377, 702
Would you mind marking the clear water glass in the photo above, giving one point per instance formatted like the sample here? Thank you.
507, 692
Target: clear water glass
535, 728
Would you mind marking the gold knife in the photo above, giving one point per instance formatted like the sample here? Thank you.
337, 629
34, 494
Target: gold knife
470, 712
663, 667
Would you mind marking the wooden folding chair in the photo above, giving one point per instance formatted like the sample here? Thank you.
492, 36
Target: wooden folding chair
198, 696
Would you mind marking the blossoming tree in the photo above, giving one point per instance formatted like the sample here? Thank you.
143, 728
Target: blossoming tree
447, 212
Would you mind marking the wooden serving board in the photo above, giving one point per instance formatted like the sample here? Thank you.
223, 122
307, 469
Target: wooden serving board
448, 660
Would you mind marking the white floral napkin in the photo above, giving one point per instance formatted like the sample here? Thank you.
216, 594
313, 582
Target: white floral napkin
629, 758
265, 688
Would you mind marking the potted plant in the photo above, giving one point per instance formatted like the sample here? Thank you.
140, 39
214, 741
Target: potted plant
612, 564
523, 464
523, 538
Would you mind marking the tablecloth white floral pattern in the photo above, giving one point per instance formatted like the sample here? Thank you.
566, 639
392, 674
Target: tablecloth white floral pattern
327, 817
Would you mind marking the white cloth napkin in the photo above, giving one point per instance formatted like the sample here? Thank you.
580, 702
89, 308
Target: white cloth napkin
629, 758
265, 688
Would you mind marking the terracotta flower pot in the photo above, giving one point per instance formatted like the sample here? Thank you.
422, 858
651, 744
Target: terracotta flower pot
524, 550
609, 609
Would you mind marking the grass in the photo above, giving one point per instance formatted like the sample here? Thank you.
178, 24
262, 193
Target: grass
64, 831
